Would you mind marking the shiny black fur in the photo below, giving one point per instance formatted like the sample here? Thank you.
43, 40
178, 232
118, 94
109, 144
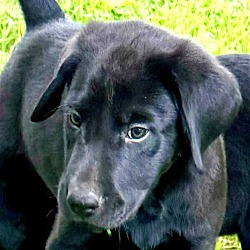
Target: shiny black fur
237, 140
167, 190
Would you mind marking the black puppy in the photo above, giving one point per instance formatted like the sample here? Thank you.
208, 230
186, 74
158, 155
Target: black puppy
122, 121
31, 208
237, 140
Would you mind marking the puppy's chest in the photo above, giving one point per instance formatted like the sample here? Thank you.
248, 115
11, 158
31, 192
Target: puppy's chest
148, 231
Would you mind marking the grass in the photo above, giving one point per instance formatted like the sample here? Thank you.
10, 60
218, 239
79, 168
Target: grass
220, 26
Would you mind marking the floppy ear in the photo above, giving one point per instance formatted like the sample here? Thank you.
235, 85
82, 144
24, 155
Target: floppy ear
207, 94
51, 98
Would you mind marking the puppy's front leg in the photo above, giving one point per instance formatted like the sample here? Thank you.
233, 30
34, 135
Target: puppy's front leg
68, 235
203, 245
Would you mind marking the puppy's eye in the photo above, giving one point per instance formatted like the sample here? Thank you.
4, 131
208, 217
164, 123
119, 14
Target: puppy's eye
75, 119
137, 133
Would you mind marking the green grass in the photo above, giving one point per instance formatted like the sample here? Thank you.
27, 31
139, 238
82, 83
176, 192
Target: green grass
220, 26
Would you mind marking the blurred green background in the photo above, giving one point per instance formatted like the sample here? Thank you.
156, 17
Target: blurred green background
220, 26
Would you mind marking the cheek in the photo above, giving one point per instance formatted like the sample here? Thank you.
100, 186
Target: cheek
150, 147
140, 164
4, 103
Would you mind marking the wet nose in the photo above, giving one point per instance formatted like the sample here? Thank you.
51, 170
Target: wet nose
84, 205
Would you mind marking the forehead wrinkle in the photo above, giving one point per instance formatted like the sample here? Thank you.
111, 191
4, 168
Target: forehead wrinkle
109, 92
121, 64
152, 105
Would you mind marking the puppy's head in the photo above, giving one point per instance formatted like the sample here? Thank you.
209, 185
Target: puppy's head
132, 92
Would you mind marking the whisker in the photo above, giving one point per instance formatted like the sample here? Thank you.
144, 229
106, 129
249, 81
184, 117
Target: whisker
62, 107
119, 235
53, 209
125, 229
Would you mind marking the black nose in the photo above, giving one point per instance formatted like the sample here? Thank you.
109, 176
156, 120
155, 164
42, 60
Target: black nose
84, 205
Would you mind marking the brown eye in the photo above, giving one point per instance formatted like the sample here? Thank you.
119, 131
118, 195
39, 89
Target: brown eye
137, 133
75, 119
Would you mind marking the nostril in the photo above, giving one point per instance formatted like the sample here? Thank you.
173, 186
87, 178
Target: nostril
84, 205
91, 201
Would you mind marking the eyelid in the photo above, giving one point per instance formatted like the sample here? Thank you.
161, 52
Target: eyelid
83, 113
139, 124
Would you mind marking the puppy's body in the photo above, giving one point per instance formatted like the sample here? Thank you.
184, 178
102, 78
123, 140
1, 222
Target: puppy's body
237, 141
135, 143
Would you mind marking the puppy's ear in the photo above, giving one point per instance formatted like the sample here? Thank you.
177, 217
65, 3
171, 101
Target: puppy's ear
51, 98
207, 94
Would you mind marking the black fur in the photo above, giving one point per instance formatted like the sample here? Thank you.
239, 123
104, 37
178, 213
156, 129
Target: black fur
237, 140
75, 98
31, 207
38, 12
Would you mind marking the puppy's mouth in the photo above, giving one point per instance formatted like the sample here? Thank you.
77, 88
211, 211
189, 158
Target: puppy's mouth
101, 211
104, 217
107, 213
